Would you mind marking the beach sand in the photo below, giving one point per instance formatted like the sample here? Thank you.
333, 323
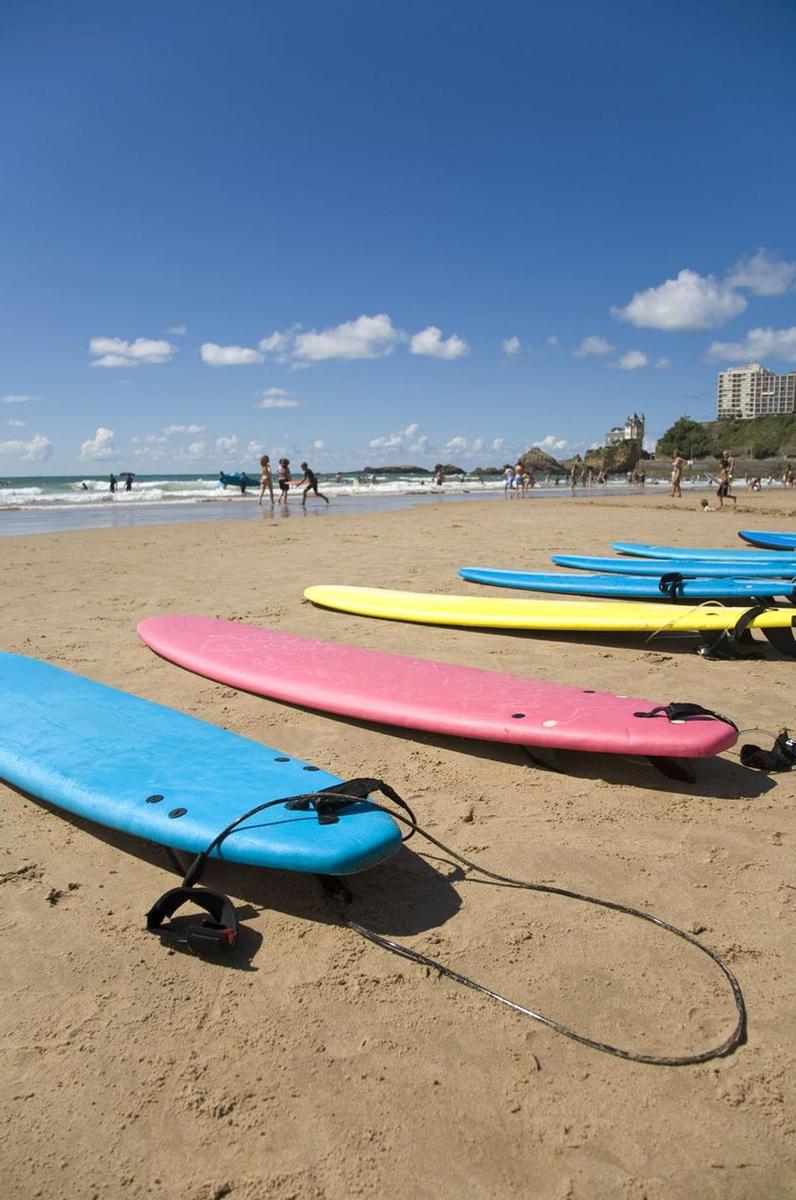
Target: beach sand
331, 1068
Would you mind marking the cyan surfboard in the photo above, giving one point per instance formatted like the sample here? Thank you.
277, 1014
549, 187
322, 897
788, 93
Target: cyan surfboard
769, 540
692, 568
158, 774
744, 557
628, 587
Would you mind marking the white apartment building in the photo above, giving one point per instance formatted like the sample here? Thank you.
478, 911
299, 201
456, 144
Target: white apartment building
754, 391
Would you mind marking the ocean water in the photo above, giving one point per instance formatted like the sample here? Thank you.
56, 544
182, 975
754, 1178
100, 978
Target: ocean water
56, 503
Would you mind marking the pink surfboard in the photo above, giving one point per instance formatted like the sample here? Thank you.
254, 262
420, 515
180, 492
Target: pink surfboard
433, 696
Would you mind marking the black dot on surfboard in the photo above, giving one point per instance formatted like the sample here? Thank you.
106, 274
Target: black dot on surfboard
517, 716
310, 768
154, 799
178, 812
281, 760
589, 692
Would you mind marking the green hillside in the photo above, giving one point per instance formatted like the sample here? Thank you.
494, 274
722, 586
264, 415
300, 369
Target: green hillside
759, 437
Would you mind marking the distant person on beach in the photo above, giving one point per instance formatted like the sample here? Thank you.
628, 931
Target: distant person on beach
243, 480
520, 479
128, 482
678, 462
728, 461
508, 475
439, 476
310, 484
266, 482
703, 504
283, 475
113, 481
723, 490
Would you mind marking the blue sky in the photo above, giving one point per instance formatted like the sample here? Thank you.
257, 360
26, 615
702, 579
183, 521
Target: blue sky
366, 233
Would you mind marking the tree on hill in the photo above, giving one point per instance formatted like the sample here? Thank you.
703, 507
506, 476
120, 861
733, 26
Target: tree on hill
686, 435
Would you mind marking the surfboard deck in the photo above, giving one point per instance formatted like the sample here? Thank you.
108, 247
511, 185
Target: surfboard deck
607, 616
692, 568
419, 694
769, 540
748, 557
629, 587
158, 774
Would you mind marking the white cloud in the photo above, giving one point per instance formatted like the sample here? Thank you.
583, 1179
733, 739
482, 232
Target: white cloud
184, 429
477, 446
274, 397
317, 444
38, 449
16, 399
229, 356
195, 450
100, 446
366, 337
402, 438
430, 342
456, 444
155, 439
632, 361
763, 274
551, 443
254, 448
114, 352
553, 341
662, 364
226, 444
178, 330
511, 346
275, 343
689, 302
757, 345
386, 442
593, 345
420, 445
498, 443
16, 424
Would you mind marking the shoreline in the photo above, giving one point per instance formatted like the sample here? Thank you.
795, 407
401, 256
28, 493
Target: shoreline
29, 520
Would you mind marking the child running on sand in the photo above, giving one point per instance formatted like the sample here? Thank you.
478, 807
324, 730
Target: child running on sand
310, 484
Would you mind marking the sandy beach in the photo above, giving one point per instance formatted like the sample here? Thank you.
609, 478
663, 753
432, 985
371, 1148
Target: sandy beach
325, 1067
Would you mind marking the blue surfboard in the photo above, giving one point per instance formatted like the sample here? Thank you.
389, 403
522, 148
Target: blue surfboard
741, 556
769, 540
629, 587
692, 568
155, 773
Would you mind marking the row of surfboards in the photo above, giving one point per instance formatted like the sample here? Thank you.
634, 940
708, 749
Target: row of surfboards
156, 773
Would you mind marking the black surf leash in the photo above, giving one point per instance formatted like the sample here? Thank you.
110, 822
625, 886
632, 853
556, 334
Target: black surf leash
220, 934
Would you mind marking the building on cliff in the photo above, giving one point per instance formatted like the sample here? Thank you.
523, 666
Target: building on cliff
631, 431
754, 391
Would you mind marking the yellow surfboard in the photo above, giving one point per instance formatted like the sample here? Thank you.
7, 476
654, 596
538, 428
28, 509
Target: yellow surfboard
489, 612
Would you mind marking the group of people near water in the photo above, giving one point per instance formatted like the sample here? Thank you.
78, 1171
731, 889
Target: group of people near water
114, 481
309, 482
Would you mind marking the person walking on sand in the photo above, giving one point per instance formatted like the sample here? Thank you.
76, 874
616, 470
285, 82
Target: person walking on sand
508, 475
723, 490
283, 475
678, 462
265, 479
310, 484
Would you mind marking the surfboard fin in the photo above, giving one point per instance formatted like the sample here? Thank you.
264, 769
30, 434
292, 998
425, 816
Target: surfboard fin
672, 768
